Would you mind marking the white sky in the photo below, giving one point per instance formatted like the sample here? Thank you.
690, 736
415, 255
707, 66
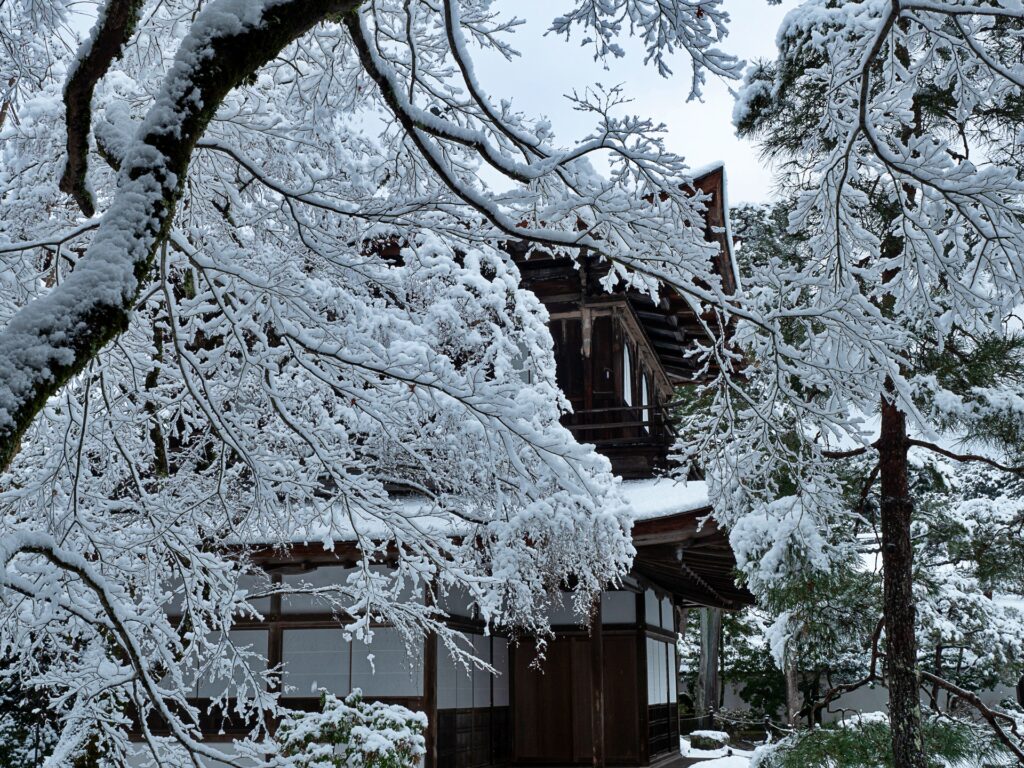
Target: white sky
700, 132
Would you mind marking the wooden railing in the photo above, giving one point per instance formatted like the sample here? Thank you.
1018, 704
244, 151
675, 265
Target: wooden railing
627, 424
636, 439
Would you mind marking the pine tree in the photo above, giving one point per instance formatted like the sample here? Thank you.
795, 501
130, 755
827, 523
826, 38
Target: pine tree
964, 531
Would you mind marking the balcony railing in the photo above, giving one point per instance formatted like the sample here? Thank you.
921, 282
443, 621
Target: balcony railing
636, 438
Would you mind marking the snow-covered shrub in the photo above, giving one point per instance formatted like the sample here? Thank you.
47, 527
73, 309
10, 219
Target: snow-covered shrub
352, 733
866, 743
709, 739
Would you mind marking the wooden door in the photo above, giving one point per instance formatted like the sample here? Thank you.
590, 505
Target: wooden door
542, 710
621, 700
552, 706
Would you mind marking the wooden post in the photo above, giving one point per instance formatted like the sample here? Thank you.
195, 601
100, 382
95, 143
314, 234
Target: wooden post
707, 677
641, 679
597, 686
430, 691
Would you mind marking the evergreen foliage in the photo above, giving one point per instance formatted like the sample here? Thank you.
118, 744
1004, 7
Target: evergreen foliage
865, 744
968, 519
26, 732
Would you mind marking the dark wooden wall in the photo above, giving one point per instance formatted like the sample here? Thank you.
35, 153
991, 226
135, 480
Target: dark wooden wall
472, 738
552, 705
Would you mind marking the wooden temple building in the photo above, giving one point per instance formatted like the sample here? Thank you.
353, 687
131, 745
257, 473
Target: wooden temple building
602, 696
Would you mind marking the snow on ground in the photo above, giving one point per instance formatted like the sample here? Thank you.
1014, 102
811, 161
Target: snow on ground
727, 757
731, 761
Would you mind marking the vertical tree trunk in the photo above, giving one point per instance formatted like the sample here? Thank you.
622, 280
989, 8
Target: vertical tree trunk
707, 676
897, 569
794, 700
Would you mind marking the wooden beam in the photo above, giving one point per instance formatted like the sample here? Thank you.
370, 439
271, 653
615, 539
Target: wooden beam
597, 687
671, 320
663, 331
430, 691
674, 528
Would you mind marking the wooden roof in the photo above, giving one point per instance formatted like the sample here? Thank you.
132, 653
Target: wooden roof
690, 556
669, 324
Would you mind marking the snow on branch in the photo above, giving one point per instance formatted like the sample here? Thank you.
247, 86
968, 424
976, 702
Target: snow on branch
49, 341
293, 321
897, 130
117, 19
693, 26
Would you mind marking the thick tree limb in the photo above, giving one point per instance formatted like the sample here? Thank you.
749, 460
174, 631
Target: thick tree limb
991, 716
845, 454
51, 339
964, 456
113, 28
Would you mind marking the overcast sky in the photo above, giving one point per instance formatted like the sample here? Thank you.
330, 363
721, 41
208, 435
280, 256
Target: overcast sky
700, 132
550, 67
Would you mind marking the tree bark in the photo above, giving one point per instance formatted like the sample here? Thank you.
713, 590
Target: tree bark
113, 29
794, 703
707, 676
898, 604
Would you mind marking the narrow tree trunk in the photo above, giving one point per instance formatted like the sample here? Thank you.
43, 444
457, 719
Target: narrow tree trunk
897, 569
707, 676
794, 701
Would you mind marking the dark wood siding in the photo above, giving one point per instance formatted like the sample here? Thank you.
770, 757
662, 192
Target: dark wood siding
542, 706
567, 335
552, 706
621, 699
472, 738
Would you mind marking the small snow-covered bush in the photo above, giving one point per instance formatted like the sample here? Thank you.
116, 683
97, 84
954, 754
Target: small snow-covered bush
867, 743
709, 739
352, 733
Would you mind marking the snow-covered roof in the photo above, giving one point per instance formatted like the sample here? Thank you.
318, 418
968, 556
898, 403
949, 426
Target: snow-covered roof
650, 499
663, 497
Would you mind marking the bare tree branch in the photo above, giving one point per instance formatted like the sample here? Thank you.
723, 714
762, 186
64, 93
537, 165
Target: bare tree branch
964, 456
991, 716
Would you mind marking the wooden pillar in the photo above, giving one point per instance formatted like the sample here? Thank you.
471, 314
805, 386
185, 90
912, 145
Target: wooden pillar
682, 613
707, 676
597, 686
430, 691
641, 676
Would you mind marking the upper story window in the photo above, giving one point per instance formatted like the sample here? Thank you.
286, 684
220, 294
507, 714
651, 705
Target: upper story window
627, 375
645, 402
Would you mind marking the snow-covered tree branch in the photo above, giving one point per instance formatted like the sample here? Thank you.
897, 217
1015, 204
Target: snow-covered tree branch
289, 316
890, 325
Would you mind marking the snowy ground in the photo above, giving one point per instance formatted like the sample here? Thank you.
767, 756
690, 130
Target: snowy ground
727, 757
